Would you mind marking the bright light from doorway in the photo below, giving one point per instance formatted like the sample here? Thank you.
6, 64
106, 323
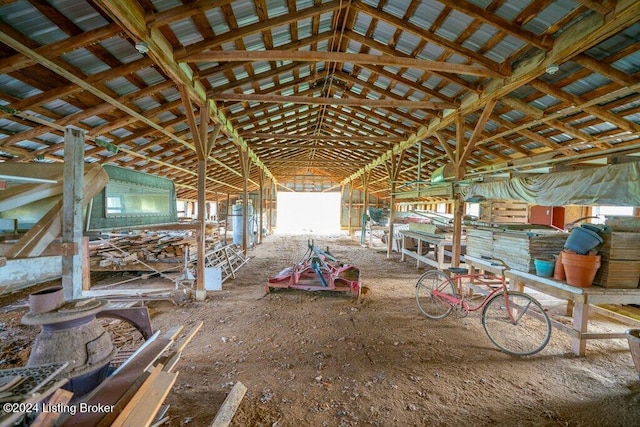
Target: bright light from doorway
304, 213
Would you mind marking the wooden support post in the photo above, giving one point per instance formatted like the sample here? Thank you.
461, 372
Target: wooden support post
271, 198
456, 250
350, 226
392, 202
86, 265
245, 164
201, 230
261, 178
72, 197
365, 205
580, 322
393, 170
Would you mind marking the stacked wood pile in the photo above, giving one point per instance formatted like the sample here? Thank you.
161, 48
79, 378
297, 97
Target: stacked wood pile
479, 242
501, 212
136, 390
131, 252
620, 260
517, 248
122, 252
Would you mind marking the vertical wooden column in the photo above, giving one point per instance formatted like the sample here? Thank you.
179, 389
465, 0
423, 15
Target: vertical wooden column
365, 205
203, 142
350, 226
271, 198
456, 250
201, 230
462, 154
393, 170
245, 165
72, 196
261, 178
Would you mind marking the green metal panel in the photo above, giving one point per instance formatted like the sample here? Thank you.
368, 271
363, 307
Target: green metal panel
147, 188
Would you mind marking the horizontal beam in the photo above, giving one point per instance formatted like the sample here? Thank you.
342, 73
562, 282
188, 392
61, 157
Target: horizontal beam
282, 146
353, 58
344, 138
310, 100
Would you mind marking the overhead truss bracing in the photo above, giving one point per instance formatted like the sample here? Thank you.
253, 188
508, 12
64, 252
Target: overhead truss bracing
330, 90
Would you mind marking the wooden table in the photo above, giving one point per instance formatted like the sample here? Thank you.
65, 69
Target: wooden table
579, 300
440, 247
483, 264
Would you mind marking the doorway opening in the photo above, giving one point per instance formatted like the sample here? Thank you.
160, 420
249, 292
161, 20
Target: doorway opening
307, 212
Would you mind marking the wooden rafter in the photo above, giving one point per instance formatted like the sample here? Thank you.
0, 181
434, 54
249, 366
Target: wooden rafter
475, 135
355, 58
314, 100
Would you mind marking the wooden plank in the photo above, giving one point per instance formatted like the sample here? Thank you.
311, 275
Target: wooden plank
112, 389
123, 401
229, 406
143, 415
618, 274
189, 337
46, 419
138, 396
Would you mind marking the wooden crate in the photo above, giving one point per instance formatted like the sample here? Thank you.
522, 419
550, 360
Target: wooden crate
501, 212
623, 274
620, 245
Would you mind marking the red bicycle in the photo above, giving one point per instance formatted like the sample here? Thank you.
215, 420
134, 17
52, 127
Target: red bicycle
514, 321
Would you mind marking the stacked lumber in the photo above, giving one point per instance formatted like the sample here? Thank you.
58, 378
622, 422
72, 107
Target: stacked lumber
136, 390
620, 260
504, 212
124, 252
518, 249
479, 242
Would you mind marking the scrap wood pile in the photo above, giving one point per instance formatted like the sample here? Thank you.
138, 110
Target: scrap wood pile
135, 392
131, 252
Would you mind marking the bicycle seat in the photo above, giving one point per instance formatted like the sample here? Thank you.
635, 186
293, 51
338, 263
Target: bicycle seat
457, 270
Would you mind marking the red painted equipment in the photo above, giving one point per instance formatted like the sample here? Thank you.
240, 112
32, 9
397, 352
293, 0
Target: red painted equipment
318, 270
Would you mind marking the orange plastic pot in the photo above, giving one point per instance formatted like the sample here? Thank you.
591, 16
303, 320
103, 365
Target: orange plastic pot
580, 269
558, 271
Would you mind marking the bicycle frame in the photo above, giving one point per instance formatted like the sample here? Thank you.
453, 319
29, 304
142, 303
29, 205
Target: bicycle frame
461, 301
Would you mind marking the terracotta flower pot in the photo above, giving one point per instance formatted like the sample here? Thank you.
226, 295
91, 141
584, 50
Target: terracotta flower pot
558, 271
580, 269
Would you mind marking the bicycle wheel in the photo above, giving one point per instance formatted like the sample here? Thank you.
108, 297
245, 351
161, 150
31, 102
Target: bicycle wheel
526, 331
430, 305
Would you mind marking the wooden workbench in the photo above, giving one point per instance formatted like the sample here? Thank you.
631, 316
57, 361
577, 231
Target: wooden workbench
578, 299
439, 247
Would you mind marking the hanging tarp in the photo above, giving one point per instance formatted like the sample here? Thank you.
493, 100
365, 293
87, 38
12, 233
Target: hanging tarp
612, 185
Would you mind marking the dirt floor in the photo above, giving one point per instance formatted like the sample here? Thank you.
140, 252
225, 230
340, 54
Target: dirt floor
323, 359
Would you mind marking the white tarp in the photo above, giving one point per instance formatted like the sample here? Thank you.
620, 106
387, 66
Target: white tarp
613, 185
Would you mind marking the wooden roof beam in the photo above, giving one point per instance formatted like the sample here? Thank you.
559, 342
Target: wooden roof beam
595, 110
353, 58
502, 69
499, 23
581, 36
259, 27
371, 43
323, 137
311, 100
131, 17
20, 60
